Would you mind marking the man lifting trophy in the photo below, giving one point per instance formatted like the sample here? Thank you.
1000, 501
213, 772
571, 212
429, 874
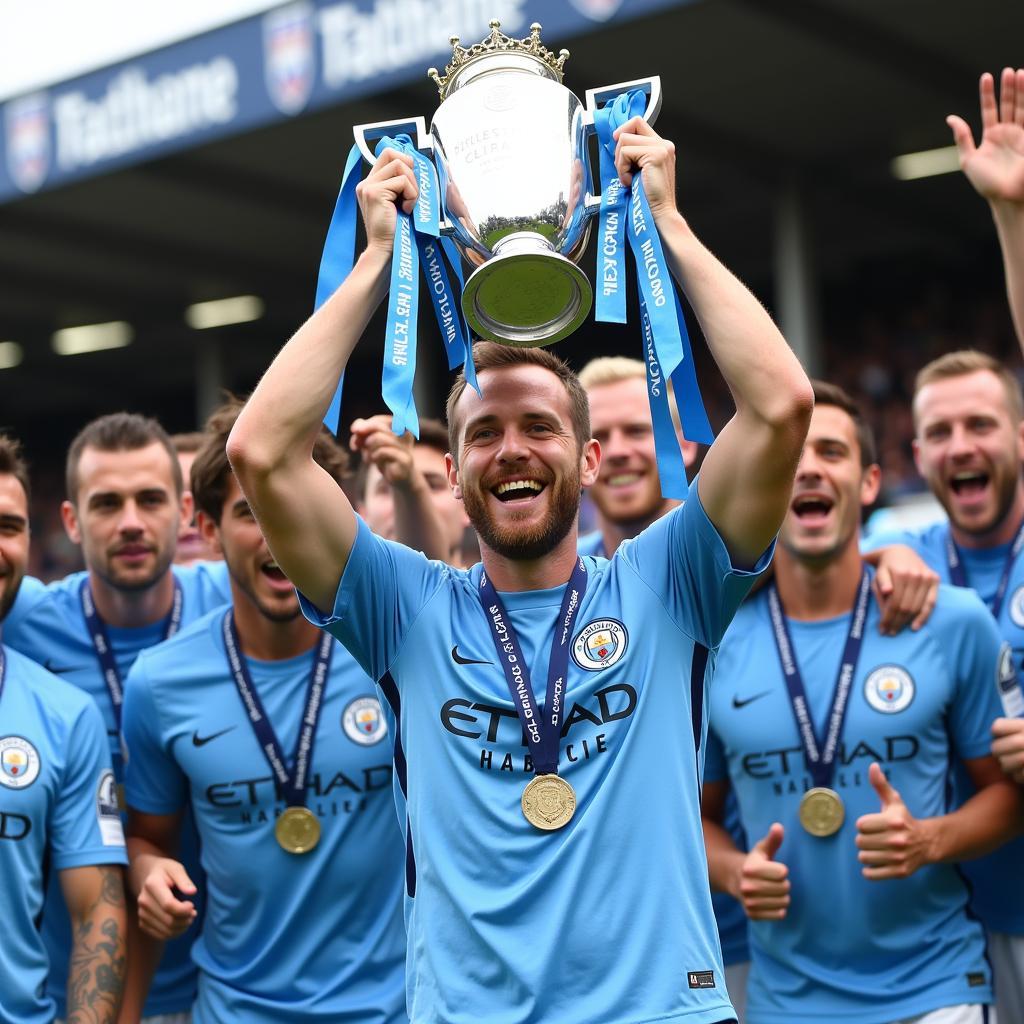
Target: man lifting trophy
583, 896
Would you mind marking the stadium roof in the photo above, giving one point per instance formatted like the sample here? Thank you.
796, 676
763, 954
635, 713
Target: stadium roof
812, 98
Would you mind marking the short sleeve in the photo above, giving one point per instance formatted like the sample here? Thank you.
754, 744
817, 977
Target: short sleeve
85, 826
384, 587
154, 783
683, 559
716, 765
980, 664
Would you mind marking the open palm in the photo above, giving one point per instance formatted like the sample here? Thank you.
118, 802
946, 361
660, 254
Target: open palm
996, 167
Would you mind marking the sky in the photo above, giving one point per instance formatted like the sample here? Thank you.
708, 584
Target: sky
48, 41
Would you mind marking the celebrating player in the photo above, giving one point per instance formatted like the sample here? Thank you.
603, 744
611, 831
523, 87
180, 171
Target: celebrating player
838, 742
58, 807
527, 863
125, 506
273, 733
969, 422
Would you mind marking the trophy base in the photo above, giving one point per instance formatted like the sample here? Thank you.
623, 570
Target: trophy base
526, 294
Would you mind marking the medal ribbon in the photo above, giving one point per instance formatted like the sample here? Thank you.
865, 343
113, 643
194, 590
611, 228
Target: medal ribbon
958, 574
820, 757
97, 630
542, 729
338, 259
291, 784
668, 353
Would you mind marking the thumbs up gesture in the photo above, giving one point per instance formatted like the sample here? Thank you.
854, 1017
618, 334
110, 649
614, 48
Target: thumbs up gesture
764, 881
892, 843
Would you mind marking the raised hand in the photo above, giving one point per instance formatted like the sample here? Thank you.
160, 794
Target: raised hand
892, 843
391, 181
639, 146
996, 167
391, 454
764, 881
161, 914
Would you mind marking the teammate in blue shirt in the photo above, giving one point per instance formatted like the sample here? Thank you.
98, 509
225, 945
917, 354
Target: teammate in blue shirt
126, 504
58, 812
838, 742
553, 868
299, 926
969, 422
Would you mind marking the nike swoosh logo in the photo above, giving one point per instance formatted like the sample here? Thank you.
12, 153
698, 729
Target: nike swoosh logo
201, 741
737, 703
57, 671
460, 660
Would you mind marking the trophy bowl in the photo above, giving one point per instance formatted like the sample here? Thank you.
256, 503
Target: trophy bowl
509, 141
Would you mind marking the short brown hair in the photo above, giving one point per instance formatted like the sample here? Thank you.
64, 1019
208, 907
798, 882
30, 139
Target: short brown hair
965, 361
832, 394
188, 443
211, 471
489, 355
119, 432
12, 462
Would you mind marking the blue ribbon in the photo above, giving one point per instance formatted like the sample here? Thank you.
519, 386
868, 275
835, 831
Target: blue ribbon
668, 353
417, 239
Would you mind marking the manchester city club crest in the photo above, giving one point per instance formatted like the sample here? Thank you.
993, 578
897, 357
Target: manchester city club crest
19, 762
27, 138
599, 644
288, 56
889, 689
363, 721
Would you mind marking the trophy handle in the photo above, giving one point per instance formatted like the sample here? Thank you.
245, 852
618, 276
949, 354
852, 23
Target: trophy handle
414, 127
598, 97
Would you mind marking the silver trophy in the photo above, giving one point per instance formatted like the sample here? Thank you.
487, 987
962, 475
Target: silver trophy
510, 145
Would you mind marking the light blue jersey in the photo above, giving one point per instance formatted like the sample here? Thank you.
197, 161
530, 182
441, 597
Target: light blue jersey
311, 937
850, 949
608, 919
729, 914
57, 808
997, 891
46, 624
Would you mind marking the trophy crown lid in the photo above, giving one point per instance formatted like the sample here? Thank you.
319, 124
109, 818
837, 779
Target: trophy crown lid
498, 43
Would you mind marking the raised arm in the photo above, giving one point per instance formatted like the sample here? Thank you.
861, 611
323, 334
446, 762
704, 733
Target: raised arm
306, 518
94, 896
746, 479
996, 170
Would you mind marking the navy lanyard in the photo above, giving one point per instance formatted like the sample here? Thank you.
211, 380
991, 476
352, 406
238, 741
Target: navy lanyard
820, 757
290, 784
958, 574
3, 670
542, 730
97, 629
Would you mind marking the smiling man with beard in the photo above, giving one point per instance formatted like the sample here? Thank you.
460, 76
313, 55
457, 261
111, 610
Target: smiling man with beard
555, 869
838, 742
125, 506
304, 879
969, 447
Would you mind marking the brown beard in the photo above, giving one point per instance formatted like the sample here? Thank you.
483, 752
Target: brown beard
526, 545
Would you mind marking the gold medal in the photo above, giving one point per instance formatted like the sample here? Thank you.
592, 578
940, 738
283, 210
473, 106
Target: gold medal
548, 802
297, 830
822, 811
122, 800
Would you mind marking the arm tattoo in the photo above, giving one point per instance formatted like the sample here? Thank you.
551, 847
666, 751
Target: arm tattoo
96, 974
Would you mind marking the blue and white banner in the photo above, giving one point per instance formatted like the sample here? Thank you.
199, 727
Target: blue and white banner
296, 58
